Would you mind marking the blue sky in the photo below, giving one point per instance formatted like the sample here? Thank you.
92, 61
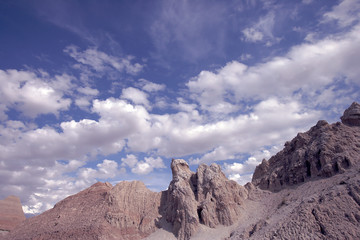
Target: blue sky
113, 90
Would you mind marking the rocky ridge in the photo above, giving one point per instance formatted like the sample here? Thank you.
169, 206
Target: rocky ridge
130, 211
323, 151
309, 190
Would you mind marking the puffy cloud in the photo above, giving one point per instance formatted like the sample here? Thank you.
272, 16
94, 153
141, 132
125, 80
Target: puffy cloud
282, 76
248, 166
136, 96
33, 94
242, 172
106, 170
130, 160
77, 139
225, 140
240, 179
148, 165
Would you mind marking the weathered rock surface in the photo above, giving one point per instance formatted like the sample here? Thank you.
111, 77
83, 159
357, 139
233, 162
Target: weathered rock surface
327, 208
315, 184
133, 209
352, 115
127, 211
11, 213
323, 151
180, 205
205, 197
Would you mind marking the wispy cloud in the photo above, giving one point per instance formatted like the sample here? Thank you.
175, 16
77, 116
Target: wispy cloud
187, 26
346, 13
262, 31
101, 62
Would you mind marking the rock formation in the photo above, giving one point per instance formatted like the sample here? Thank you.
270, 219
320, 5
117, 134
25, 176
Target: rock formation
205, 197
11, 213
315, 182
323, 151
131, 211
126, 211
351, 115
309, 190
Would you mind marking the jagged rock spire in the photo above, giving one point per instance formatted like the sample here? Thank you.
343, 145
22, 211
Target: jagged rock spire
205, 197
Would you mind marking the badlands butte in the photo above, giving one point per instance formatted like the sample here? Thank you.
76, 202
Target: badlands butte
309, 190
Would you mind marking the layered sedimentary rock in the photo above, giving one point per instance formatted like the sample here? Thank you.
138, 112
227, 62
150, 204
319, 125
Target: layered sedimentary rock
11, 213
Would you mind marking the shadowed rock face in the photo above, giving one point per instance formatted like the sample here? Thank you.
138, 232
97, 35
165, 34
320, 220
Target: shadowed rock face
11, 213
323, 151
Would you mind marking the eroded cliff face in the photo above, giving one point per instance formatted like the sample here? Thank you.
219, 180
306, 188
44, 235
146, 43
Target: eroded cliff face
323, 151
133, 209
315, 185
